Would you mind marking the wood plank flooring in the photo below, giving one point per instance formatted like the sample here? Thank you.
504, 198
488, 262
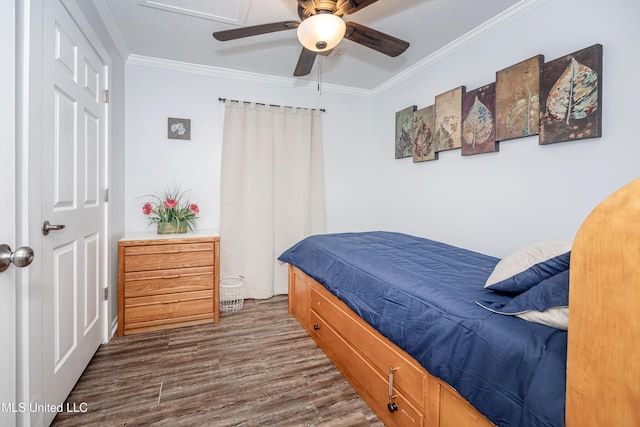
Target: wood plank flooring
257, 367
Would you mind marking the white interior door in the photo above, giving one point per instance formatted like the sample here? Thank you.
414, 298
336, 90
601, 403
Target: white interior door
72, 156
7, 214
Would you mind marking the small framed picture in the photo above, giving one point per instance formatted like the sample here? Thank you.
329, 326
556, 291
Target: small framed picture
178, 128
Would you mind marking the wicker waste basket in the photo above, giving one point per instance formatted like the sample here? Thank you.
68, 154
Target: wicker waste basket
231, 293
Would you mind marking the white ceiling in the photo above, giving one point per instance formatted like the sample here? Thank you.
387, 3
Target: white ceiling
180, 30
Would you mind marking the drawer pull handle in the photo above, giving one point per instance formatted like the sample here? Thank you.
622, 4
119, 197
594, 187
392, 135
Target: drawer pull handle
391, 406
316, 327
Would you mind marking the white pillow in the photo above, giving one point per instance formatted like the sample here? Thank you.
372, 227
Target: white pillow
556, 317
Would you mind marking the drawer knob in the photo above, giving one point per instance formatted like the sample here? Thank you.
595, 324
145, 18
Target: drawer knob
392, 407
316, 327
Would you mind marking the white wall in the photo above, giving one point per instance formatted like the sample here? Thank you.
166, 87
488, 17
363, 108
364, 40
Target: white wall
497, 202
154, 93
492, 203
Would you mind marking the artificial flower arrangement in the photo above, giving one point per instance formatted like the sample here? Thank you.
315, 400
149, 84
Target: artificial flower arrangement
172, 212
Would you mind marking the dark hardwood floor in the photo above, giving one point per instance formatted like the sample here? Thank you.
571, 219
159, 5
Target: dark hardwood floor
257, 367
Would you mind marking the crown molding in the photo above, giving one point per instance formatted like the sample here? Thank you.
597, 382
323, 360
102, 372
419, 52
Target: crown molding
514, 12
226, 73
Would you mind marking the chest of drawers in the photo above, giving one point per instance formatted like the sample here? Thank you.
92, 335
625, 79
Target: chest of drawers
166, 282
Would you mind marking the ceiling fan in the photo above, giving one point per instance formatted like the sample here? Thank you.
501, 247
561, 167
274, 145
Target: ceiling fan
321, 29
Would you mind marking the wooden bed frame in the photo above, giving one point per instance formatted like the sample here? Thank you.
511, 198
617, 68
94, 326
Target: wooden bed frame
603, 362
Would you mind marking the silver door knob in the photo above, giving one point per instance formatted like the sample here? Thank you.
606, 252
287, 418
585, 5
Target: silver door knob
20, 258
46, 227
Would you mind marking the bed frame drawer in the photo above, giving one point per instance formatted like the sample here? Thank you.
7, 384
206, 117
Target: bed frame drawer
364, 358
372, 385
408, 378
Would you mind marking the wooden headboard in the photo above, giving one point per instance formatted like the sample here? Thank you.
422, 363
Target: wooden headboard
603, 361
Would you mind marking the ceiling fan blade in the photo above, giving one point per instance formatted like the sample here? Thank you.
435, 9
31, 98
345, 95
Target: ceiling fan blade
255, 30
305, 62
383, 43
359, 4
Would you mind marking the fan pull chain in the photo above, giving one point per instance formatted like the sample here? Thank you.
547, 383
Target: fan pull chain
320, 74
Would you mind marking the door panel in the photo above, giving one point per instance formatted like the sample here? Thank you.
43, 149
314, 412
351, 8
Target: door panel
92, 159
64, 286
63, 155
91, 282
73, 149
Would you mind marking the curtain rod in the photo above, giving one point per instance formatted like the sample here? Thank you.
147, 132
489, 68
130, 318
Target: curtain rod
270, 105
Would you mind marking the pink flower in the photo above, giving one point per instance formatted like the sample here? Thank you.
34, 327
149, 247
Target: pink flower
146, 209
194, 208
170, 203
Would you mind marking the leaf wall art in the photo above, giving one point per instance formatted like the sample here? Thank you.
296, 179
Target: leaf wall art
571, 101
478, 120
517, 99
448, 122
560, 100
423, 135
178, 128
404, 132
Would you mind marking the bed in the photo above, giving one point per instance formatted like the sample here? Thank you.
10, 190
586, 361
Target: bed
423, 332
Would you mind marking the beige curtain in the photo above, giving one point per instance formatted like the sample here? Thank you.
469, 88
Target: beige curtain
272, 191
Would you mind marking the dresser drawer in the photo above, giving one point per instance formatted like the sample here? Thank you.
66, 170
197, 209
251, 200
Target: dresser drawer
368, 379
159, 282
408, 377
160, 257
169, 306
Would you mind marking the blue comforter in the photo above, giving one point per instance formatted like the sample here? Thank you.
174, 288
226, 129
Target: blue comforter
420, 294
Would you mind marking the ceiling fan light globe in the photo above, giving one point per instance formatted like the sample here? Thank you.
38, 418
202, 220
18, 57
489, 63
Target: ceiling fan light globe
321, 32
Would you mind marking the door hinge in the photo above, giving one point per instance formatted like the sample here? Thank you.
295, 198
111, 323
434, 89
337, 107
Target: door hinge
106, 195
106, 96
106, 294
